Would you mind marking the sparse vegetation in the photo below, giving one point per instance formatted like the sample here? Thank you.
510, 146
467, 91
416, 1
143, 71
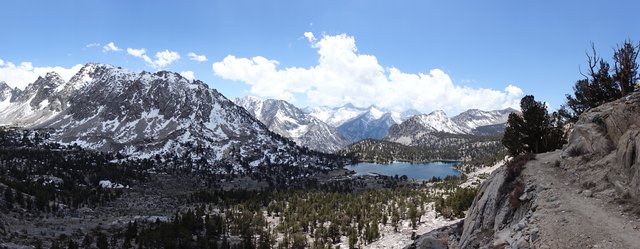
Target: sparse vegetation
513, 187
457, 203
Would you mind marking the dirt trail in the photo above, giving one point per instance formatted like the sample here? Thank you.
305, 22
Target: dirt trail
568, 217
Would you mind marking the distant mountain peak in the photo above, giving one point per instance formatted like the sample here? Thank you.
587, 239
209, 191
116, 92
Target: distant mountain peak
350, 105
289, 121
438, 113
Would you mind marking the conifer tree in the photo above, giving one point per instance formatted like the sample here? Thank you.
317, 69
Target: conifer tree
533, 130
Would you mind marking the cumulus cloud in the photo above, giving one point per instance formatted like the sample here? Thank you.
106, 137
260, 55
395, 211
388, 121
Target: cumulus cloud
25, 73
136, 52
342, 76
188, 74
195, 57
111, 47
163, 58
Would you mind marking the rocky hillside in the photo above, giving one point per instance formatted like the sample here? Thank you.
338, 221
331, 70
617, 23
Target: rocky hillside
144, 115
287, 120
584, 196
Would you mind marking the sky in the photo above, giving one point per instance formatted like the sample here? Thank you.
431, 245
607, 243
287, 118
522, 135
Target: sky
425, 55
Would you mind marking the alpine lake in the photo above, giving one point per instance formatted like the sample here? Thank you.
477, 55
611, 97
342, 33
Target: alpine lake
415, 171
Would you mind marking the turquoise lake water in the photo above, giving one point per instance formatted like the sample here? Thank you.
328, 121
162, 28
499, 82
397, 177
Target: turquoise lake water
416, 171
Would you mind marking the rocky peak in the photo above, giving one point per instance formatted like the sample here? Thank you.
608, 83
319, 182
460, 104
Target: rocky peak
85, 74
474, 118
5, 91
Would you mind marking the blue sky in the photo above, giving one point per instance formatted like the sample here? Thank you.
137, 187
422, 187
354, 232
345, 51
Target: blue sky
426, 55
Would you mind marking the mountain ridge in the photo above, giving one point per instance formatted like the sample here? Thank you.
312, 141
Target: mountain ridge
289, 121
418, 130
107, 108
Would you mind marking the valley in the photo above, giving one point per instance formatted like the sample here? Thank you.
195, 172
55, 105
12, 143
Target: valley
149, 201
117, 159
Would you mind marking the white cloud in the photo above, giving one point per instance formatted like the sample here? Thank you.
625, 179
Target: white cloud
194, 57
111, 47
90, 45
310, 37
188, 74
25, 73
345, 76
136, 52
163, 58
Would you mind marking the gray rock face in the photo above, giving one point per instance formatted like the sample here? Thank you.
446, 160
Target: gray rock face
289, 121
487, 213
441, 238
492, 221
610, 135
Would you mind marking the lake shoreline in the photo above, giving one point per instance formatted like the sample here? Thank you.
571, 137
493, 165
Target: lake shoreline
406, 161
414, 171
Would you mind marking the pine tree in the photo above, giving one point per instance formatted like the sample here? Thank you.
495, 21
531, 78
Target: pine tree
626, 66
533, 131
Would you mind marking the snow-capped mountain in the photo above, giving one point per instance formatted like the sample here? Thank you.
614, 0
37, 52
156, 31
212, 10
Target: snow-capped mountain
474, 118
335, 116
289, 121
357, 123
418, 129
373, 123
38, 102
107, 108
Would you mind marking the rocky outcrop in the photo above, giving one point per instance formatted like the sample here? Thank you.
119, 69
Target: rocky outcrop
441, 238
608, 136
492, 220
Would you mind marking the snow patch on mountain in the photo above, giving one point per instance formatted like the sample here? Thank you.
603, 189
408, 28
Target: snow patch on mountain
289, 121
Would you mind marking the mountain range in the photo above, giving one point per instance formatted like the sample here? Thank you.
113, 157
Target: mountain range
141, 115
420, 129
289, 121
144, 114
329, 129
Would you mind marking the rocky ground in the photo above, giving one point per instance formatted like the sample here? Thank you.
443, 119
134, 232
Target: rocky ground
571, 215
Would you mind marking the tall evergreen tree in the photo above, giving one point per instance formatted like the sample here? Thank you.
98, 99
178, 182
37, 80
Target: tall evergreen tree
533, 131
626, 66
